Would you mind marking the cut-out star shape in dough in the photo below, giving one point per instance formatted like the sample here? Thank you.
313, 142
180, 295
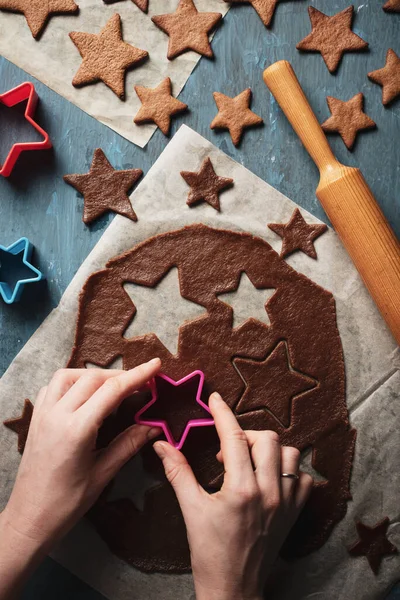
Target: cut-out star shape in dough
205, 185
234, 114
373, 543
298, 235
20, 425
243, 297
388, 77
158, 105
117, 363
104, 188
265, 8
274, 380
348, 118
106, 56
38, 12
331, 36
392, 6
161, 310
188, 29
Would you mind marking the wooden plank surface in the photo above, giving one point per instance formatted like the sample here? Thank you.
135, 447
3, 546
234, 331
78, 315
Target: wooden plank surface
36, 203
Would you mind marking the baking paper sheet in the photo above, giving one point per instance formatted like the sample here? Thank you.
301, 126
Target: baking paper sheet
372, 368
54, 59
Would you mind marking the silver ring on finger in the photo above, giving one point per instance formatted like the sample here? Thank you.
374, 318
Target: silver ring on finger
290, 475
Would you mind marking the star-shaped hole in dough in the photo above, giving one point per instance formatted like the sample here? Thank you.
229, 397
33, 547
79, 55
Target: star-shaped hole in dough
106, 57
158, 105
298, 235
306, 460
264, 8
20, 425
38, 12
271, 384
104, 188
331, 36
248, 302
188, 29
161, 310
205, 185
234, 114
117, 363
388, 77
348, 118
373, 543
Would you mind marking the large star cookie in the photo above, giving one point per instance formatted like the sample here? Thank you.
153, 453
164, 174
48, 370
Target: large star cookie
331, 36
298, 235
103, 188
106, 57
20, 425
188, 29
373, 543
205, 185
388, 77
392, 6
348, 118
38, 12
234, 114
265, 8
158, 105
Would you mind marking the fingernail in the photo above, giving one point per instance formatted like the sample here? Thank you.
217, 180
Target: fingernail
154, 361
215, 397
161, 449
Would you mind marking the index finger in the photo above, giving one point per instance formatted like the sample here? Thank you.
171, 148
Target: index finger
234, 446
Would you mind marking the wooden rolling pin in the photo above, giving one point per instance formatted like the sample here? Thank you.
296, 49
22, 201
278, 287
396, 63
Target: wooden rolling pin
346, 199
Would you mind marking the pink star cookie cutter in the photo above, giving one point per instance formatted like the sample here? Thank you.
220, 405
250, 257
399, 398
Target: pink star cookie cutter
162, 423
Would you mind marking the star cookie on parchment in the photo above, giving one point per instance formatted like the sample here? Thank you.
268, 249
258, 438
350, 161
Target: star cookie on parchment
106, 56
234, 114
392, 6
104, 188
264, 8
188, 29
373, 543
20, 425
348, 118
298, 235
331, 36
158, 105
142, 4
205, 185
388, 77
38, 12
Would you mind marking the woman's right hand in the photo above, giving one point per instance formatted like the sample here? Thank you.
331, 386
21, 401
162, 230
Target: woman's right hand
235, 534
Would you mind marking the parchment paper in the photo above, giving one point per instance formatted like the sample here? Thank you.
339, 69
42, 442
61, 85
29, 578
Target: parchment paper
372, 367
54, 59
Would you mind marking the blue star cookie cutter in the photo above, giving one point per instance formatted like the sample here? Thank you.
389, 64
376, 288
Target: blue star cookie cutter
16, 271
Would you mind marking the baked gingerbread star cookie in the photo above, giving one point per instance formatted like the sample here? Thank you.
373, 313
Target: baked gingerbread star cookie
106, 56
388, 77
104, 188
373, 543
188, 29
392, 6
298, 235
20, 425
205, 185
158, 105
264, 8
234, 114
38, 12
331, 36
348, 118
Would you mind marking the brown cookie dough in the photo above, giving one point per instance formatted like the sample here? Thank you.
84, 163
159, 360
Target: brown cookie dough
392, 6
234, 114
373, 543
205, 185
331, 36
106, 57
38, 12
104, 188
20, 425
388, 77
348, 118
158, 105
188, 29
298, 235
265, 8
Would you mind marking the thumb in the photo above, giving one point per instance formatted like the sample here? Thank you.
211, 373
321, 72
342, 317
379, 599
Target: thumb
180, 475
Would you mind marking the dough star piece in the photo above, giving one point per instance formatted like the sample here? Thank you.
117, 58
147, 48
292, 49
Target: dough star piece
104, 188
392, 6
298, 235
348, 118
21, 424
373, 543
388, 77
106, 57
331, 36
38, 12
158, 105
188, 29
205, 185
264, 8
234, 114
142, 4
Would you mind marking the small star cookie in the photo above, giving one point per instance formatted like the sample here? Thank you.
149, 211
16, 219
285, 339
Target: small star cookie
234, 114
205, 185
158, 105
20, 425
373, 543
392, 6
298, 235
348, 118
142, 4
38, 12
388, 77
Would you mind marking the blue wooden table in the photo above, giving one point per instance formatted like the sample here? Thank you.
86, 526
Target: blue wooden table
35, 202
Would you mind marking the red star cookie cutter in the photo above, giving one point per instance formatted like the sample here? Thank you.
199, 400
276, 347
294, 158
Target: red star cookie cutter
25, 91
